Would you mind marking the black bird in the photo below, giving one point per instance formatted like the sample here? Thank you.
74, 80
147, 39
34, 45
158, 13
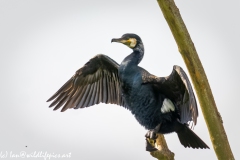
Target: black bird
160, 104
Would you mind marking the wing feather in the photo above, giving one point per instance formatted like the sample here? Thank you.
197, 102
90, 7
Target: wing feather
90, 94
64, 88
97, 81
177, 87
60, 103
96, 100
58, 99
80, 99
83, 101
75, 99
91, 101
101, 90
109, 90
71, 100
104, 85
191, 107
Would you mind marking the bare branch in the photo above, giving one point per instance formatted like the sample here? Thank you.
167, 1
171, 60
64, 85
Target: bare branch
163, 153
186, 48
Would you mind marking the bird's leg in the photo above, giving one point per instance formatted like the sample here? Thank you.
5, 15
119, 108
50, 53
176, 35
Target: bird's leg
152, 135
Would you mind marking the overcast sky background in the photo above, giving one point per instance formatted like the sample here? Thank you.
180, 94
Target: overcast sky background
43, 43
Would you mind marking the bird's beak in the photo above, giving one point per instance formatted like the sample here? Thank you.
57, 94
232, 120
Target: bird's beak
131, 42
121, 40
117, 40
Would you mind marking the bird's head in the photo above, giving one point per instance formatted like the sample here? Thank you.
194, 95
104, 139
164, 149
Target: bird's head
129, 39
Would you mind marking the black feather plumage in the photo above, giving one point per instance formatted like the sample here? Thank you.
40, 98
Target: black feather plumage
168, 101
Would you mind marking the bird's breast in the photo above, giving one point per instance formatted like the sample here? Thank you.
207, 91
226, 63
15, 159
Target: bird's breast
130, 81
140, 100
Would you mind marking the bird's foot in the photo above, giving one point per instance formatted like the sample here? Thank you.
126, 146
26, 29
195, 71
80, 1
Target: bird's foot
149, 146
152, 135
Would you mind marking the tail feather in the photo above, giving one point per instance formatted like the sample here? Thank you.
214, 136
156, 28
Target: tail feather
189, 139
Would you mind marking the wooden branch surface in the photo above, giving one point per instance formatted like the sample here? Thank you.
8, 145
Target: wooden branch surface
163, 153
187, 49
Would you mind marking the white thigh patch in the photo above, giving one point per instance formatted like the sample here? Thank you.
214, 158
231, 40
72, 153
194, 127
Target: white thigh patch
167, 106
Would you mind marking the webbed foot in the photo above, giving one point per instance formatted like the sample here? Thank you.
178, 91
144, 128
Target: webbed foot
149, 147
152, 135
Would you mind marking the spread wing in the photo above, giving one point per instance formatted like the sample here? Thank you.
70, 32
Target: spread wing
177, 87
97, 81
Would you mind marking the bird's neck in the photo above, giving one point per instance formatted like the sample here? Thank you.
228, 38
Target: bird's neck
135, 57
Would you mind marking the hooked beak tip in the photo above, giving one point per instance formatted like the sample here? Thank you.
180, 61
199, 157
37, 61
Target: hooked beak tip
116, 40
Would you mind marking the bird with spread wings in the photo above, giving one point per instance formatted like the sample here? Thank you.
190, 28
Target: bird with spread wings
160, 104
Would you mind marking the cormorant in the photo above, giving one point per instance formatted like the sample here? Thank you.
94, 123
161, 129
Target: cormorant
160, 104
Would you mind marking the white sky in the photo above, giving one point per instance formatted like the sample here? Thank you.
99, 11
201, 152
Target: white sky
43, 43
